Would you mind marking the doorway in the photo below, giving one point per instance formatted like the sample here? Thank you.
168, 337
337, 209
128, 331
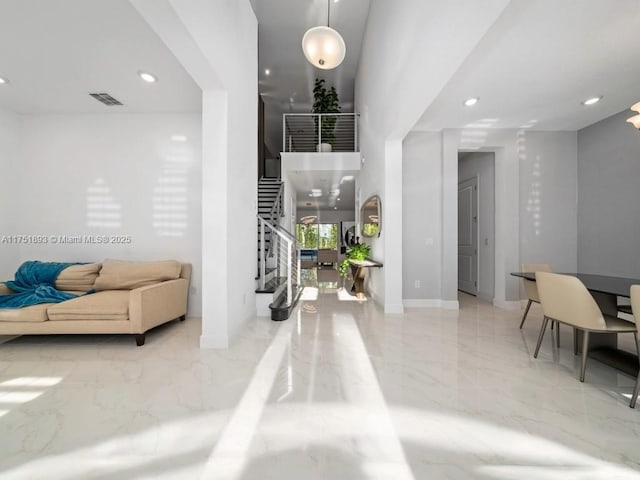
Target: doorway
468, 236
476, 224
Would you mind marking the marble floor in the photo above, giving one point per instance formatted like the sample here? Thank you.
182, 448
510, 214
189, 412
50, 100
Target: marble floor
339, 391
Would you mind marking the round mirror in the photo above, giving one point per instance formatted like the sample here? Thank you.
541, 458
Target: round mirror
371, 217
350, 236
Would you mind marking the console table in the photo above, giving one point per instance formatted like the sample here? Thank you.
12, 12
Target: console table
359, 272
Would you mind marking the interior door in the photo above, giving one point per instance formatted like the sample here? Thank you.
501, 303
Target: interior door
468, 236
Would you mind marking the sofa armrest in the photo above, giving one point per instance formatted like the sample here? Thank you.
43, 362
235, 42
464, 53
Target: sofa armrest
156, 304
4, 290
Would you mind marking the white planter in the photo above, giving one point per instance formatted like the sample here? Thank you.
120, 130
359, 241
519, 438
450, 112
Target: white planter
324, 147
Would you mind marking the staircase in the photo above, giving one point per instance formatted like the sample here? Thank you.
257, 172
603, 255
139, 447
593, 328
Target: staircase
277, 291
269, 207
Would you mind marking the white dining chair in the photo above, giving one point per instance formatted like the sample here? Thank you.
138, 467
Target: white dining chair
635, 308
530, 286
565, 299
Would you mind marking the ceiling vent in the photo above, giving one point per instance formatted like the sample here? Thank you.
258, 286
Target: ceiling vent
105, 98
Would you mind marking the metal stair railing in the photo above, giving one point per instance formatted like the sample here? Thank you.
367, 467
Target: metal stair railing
275, 212
285, 249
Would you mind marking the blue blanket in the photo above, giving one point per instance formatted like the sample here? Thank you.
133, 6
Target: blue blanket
34, 284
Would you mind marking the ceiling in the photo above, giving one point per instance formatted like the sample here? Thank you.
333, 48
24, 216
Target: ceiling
289, 87
539, 61
336, 187
56, 52
531, 70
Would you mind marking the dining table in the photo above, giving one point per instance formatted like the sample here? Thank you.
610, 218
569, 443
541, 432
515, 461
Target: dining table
605, 291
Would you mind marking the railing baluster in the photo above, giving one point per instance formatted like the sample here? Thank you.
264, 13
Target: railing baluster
302, 132
288, 248
263, 260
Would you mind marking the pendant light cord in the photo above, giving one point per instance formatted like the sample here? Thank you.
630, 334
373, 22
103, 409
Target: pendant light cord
328, 13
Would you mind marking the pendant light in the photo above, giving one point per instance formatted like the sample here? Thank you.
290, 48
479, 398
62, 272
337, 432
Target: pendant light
323, 47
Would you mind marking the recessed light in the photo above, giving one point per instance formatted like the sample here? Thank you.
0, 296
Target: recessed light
469, 102
267, 72
3, 81
147, 77
592, 101
338, 199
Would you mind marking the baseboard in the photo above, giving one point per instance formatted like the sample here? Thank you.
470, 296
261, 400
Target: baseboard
431, 303
508, 304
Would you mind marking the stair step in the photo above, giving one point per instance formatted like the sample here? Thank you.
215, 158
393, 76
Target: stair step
272, 285
267, 271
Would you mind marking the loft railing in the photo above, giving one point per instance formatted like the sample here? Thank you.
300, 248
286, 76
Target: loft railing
305, 132
286, 255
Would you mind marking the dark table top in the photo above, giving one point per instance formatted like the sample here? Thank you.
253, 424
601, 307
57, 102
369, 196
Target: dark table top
597, 283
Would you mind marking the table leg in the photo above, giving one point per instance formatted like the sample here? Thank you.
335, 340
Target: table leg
358, 280
604, 346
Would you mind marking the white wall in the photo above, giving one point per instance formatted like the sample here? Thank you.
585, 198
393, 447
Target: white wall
217, 43
422, 218
115, 175
480, 165
9, 140
549, 199
609, 198
409, 39
522, 159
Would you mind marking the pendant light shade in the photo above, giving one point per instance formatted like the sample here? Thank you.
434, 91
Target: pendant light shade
323, 46
635, 121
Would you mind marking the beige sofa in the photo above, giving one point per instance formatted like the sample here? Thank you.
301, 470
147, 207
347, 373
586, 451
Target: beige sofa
130, 297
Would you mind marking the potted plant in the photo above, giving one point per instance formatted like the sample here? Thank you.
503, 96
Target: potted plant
359, 251
325, 101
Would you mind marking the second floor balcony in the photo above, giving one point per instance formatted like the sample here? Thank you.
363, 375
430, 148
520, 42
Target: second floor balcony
324, 132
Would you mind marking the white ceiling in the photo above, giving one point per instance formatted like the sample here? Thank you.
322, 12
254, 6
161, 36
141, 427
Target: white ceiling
532, 69
539, 61
55, 52
338, 192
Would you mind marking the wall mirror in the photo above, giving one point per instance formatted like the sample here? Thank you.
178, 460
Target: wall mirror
371, 217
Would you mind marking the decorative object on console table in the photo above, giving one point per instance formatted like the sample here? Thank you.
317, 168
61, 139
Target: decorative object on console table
325, 101
358, 260
359, 251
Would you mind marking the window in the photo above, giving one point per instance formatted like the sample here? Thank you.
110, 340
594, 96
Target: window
322, 235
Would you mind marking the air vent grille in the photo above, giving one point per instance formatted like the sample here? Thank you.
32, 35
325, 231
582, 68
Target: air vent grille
105, 98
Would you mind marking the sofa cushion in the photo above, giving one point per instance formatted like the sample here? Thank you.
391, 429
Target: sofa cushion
34, 313
78, 277
109, 305
120, 275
